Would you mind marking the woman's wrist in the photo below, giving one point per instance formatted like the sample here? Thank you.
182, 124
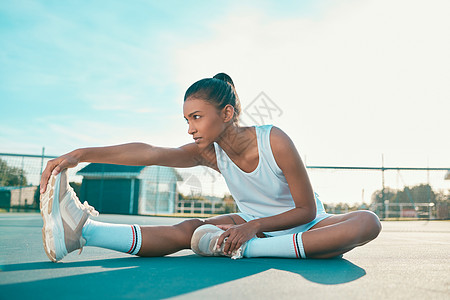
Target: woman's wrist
256, 224
78, 154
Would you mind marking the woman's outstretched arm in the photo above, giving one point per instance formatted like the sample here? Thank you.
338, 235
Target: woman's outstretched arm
134, 154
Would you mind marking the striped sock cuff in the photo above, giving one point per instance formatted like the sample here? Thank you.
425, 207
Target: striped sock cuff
136, 241
298, 245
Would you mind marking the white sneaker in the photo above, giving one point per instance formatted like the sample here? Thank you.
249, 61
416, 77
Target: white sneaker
204, 242
64, 217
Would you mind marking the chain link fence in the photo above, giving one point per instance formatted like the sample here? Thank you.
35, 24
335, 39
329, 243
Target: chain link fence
119, 189
397, 193
389, 192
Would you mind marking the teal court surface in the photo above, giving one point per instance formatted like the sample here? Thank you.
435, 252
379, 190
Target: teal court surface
409, 260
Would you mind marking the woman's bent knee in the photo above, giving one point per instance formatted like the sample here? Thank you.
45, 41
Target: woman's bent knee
370, 223
186, 229
189, 226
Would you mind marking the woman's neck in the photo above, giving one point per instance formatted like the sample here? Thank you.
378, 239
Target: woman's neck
236, 140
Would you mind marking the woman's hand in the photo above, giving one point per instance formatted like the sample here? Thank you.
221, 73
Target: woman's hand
236, 236
55, 166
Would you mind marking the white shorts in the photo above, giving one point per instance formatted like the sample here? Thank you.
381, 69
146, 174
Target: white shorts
298, 229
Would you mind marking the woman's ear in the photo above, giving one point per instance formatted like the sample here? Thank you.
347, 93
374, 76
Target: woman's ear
228, 113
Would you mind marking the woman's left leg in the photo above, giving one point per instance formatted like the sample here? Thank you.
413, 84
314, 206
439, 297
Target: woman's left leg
338, 234
330, 237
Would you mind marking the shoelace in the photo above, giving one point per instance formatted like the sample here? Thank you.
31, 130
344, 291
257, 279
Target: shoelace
85, 206
90, 209
236, 254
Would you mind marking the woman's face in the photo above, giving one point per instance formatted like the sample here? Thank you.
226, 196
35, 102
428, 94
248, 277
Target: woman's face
205, 121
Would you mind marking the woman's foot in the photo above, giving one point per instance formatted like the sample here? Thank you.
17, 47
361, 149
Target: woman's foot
64, 217
204, 242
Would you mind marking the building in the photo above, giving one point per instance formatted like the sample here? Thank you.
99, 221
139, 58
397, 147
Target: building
118, 189
17, 197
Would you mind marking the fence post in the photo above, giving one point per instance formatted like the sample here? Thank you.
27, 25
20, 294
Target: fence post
102, 178
21, 184
157, 190
383, 195
131, 205
386, 209
42, 160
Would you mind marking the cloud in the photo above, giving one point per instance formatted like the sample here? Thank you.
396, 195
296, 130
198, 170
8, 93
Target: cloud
358, 76
117, 102
87, 54
62, 133
353, 78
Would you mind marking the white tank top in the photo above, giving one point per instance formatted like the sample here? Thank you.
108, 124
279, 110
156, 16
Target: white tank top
263, 192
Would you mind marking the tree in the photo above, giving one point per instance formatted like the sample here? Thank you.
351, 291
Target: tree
422, 193
410, 196
389, 194
11, 176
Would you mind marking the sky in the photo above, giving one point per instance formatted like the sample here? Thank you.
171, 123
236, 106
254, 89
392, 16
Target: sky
348, 80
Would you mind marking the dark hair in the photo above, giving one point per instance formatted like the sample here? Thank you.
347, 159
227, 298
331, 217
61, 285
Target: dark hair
218, 90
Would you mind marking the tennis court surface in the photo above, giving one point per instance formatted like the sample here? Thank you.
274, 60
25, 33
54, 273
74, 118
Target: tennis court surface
409, 260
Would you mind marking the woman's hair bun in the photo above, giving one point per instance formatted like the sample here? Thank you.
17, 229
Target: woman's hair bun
224, 77
218, 90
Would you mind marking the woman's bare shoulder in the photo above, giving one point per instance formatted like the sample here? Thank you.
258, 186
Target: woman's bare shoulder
283, 147
279, 139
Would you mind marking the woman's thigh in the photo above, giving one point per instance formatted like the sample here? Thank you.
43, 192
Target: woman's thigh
363, 223
334, 219
233, 219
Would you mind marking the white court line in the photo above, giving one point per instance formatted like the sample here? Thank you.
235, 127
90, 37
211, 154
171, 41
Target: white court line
423, 241
19, 218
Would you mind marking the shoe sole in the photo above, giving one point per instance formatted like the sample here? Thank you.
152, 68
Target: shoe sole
53, 229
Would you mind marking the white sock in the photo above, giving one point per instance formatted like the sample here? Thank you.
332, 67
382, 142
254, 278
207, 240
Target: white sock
286, 246
123, 238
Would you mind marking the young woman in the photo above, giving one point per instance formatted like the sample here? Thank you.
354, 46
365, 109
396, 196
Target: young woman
280, 215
